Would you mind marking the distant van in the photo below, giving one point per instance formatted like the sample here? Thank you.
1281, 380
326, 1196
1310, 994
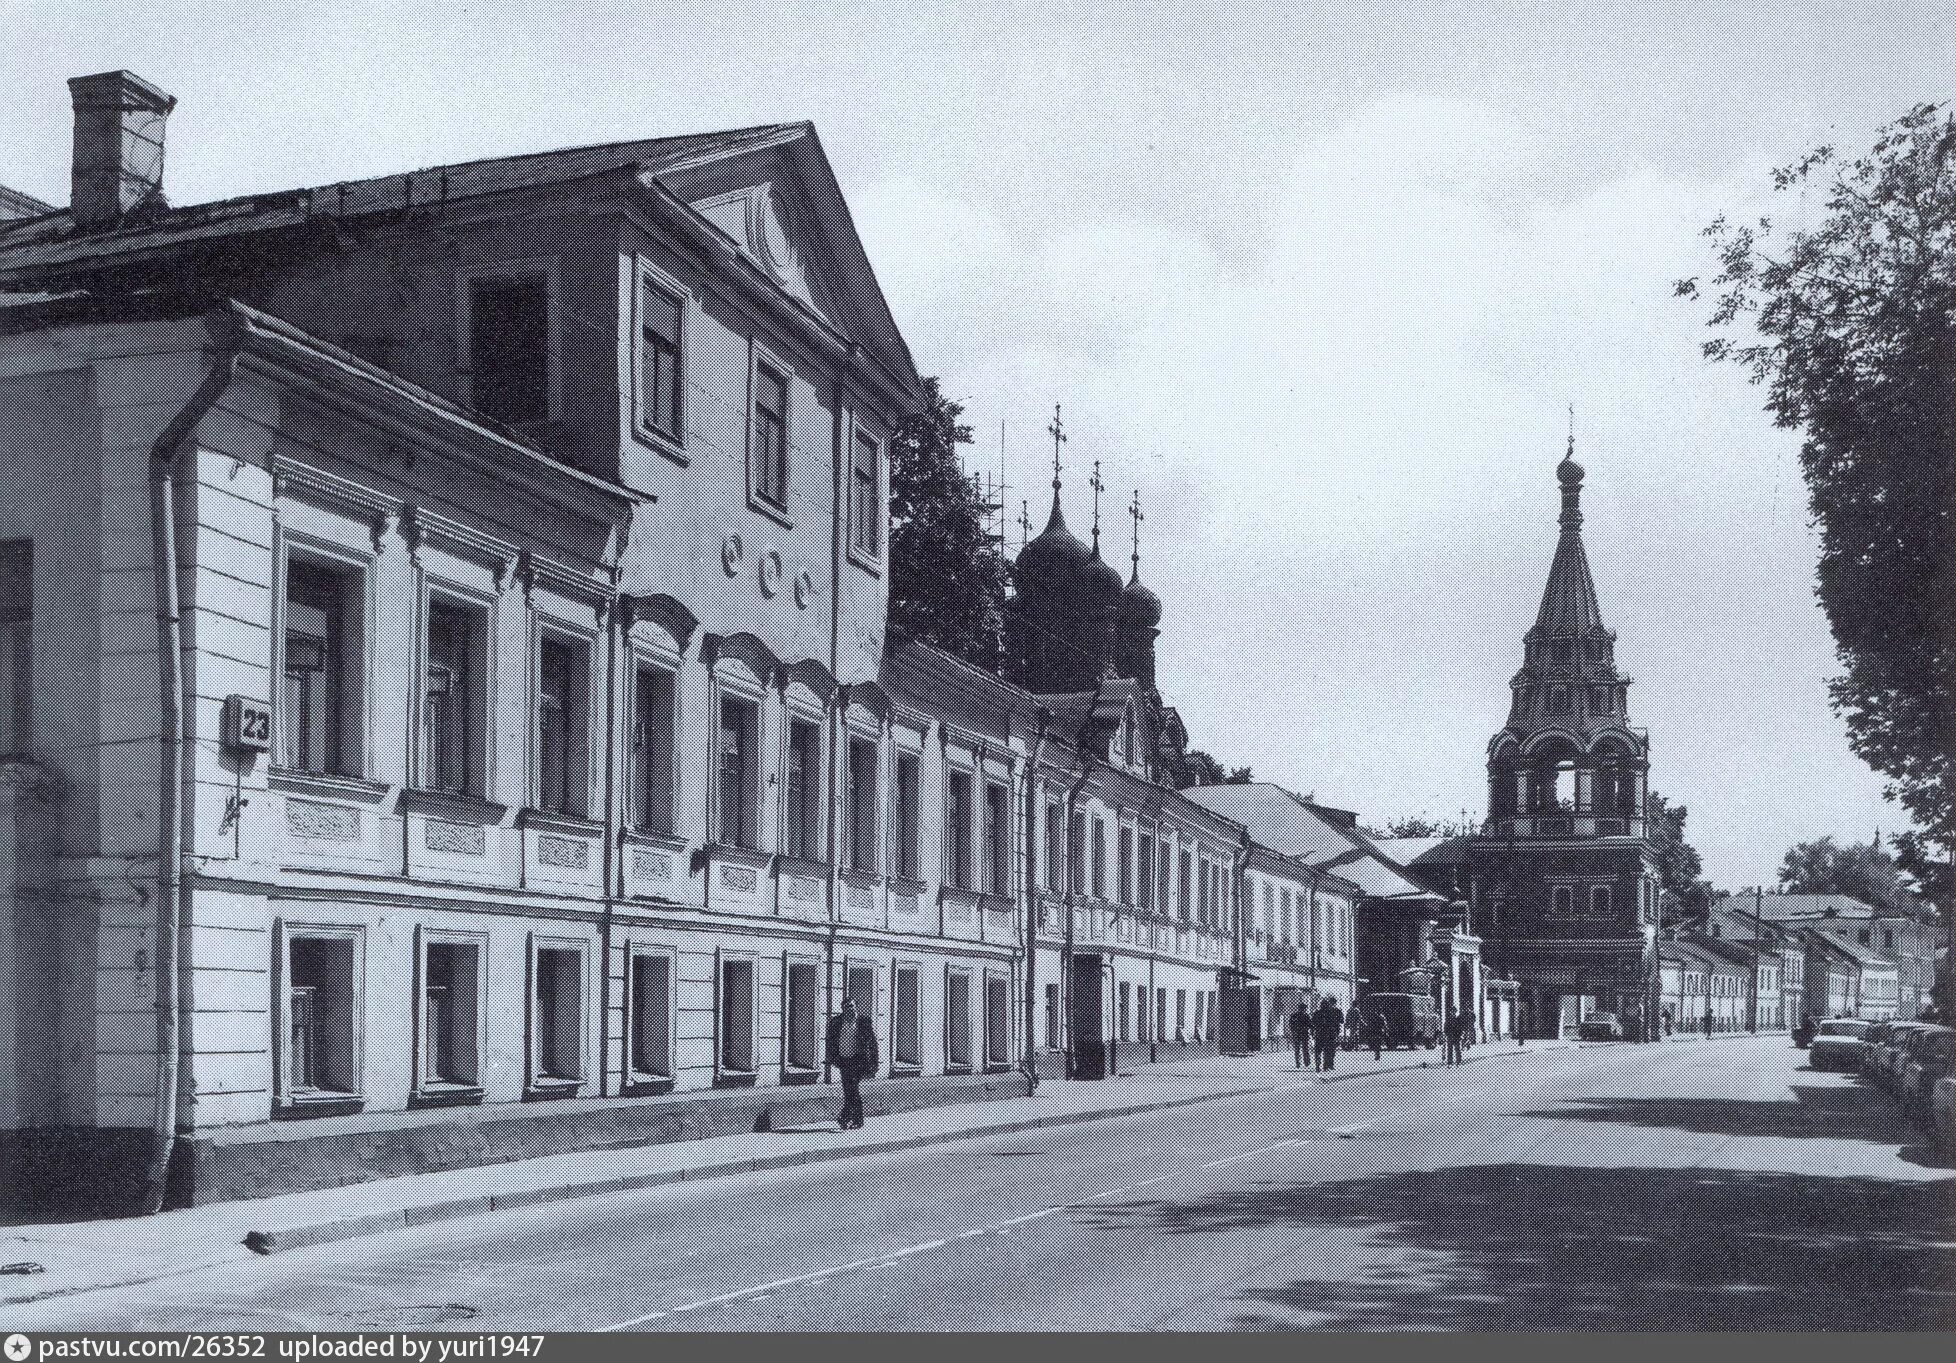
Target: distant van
1410, 1020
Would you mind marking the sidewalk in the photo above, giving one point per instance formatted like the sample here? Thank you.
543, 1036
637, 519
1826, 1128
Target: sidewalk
88, 1255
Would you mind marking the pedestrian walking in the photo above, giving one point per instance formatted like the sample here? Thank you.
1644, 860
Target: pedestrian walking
1326, 1023
1456, 1030
1708, 1023
1300, 1033
1373, 1023
852, 1050
1667, 1019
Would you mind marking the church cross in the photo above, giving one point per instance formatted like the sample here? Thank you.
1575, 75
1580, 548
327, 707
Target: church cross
1025, 523
1134, 510
1058, 431
1097, 486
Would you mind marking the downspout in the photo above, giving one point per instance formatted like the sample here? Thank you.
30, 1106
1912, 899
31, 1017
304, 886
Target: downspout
1066, 955
164, 566
1030, 1060
614, 824
1240, 949
838, 702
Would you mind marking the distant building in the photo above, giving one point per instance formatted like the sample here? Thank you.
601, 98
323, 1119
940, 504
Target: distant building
1903, 943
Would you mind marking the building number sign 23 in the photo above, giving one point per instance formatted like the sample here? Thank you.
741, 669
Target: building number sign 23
247, 724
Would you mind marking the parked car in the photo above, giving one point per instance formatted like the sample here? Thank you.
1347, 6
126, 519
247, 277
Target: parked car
1410, 1020
1887, 1051
1942, 1113
1600, 1027
1930, 1055
1871, 1045
1838, 1045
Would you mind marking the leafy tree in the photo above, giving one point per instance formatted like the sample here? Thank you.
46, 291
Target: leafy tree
1423, 826
947, 575
1200, 769
1851, 326
1686, 893
1861, 871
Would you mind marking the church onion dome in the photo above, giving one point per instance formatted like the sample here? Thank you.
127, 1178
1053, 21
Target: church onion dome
1052, 563
1100, 581
1139, 606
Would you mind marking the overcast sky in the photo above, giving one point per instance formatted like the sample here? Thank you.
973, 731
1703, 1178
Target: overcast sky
1318, 280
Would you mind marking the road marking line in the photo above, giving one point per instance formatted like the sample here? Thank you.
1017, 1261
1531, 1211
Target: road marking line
884, 1260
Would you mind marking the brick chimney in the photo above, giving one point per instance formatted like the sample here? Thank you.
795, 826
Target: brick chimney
118, 146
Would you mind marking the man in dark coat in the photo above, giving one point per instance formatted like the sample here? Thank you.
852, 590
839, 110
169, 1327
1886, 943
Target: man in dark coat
852, 1050
1326, 1023
1299, 1027
1374, 1031
1456, 1034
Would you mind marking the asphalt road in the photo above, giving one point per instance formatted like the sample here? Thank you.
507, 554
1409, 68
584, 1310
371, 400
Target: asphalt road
1702, 1185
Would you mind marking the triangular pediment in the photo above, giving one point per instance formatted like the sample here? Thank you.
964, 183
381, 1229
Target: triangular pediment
780, 206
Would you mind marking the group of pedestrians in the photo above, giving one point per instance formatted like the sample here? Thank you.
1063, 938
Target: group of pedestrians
1319, 1031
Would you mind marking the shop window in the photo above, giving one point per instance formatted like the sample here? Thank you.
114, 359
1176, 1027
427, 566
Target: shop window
736, 813
998, 1022
557, 1016
319, 713
957, 1019
653, 727
454, 710
451, 985
957, 829
16, 644
803, 1023
906, 1039
649, 998
508, 345
998, 838
906, 816
737, 1015
804, 795
862, 804
322, 1058
563, 726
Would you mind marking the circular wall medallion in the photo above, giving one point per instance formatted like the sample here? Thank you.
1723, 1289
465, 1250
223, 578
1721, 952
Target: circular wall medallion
770, 573
804, 590
732, 551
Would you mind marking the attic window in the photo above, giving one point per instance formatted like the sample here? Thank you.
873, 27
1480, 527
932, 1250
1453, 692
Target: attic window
660, 377
507, 335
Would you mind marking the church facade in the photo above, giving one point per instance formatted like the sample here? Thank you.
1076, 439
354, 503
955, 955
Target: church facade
1562, 880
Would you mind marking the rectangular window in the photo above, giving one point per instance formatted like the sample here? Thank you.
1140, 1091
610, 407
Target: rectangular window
739, 723
1054, 819
736, 1015
451, 974
1203, 887
957, 1019
862, 804
660, 313
557, 1016
998, 1022
1181, 1014
804, 797
509, 346
1124, 866
957, 830
452, 718
1161, 1013
1184, 870
998, 838
905, 816
563, 726
906, 1039
652, 750
803, 1022
1076, 853
1099, 859
319, 715
866, 496
16, 644
1052, 1017
1145, 871
768, 454
1142, 1009
1126, 1032
649, 998
859, 983
322, 1009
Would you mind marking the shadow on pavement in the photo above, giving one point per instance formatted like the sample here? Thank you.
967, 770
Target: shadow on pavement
1818, 1113
1538, 1247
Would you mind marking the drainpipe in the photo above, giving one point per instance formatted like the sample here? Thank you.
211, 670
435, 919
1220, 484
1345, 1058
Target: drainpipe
1240, 946
170, 917
1071, 804
1030, 1057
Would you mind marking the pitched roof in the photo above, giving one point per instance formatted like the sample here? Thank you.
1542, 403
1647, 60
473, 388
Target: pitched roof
53, 239
1782, 907
1286, 822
